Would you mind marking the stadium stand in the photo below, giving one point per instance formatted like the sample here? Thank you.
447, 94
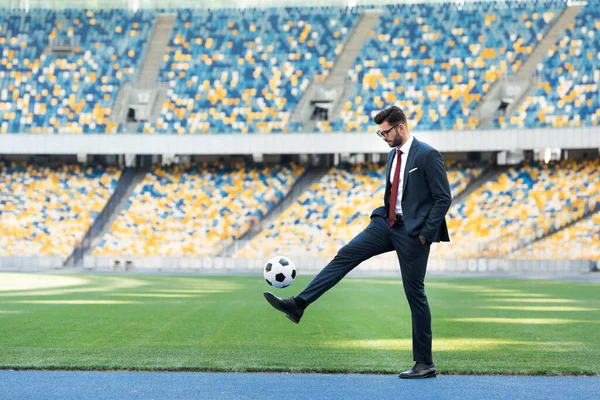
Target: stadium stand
437, 61
521, 205
580, 241
45, 93
461, 174
333, 211
193, 209
46, 209
326, 216
245, 70
567, 89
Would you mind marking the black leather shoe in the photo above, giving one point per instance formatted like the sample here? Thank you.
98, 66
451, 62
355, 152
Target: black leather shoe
287, 306
420, 371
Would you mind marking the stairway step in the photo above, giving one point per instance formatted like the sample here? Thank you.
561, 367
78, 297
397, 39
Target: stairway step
310, 176
337, 76
489, 104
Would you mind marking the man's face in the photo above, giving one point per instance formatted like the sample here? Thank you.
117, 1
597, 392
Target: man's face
391, 133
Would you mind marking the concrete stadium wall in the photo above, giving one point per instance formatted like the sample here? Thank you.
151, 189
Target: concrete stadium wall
30, 263
386, 264
296, 143
311, 266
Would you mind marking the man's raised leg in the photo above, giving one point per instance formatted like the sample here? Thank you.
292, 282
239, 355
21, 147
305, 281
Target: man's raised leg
374, 240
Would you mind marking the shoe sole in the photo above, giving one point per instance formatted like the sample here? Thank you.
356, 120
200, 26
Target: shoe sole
292, 318
429, 375
276, 306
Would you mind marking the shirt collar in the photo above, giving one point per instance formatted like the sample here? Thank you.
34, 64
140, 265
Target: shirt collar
406, 145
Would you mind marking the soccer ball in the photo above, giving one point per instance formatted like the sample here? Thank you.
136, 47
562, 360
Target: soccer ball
280, 272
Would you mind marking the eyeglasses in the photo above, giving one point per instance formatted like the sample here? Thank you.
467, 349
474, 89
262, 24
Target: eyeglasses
385, 133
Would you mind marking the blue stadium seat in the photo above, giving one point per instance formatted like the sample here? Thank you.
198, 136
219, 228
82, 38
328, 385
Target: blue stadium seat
44, 93
47, 209
566, 93
245, 70
196, 209
437, 61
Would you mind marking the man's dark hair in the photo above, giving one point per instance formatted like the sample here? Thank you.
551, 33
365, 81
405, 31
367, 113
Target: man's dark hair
393, 115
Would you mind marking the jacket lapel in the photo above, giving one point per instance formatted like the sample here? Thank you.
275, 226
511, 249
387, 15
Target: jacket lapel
409, 163
389, 166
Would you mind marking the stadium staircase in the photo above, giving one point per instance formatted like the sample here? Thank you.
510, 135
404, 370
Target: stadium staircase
523, 81
147, 77
155, 51
130, 178
524, 244
336, 80
311, 175
119, 108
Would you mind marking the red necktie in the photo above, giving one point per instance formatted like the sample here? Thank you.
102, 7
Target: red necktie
394, 195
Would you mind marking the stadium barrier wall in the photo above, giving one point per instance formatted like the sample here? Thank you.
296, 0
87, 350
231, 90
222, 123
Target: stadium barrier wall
385, 264
311, 266
295, 143
30, 263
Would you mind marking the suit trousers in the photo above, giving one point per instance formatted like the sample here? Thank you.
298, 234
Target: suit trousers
379, 238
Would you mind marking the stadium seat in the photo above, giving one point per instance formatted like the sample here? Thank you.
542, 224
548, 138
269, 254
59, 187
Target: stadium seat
461, 174
333, 211
245, 70
47, 209
437, 61
566, 92
580, 241
45, 93
195, 209
522, 204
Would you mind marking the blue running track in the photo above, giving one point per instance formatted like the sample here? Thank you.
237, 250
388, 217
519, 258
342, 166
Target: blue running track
208, 385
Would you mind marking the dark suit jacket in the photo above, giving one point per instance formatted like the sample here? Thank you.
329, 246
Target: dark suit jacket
426, 195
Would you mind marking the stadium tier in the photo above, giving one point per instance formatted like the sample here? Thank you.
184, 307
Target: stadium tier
580, 241
437, 61
46, 210
519, 206
566, 93
195, 209
460, 175
45, 93
245, 70
333, 211
325, 217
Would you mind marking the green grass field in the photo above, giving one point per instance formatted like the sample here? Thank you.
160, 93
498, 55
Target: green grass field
362, 325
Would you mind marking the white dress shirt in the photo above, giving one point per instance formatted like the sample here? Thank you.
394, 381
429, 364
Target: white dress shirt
405, 148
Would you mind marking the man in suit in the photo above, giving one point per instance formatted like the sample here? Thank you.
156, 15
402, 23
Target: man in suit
417, 198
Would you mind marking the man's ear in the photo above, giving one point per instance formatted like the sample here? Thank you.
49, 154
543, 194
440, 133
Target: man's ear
399, 129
